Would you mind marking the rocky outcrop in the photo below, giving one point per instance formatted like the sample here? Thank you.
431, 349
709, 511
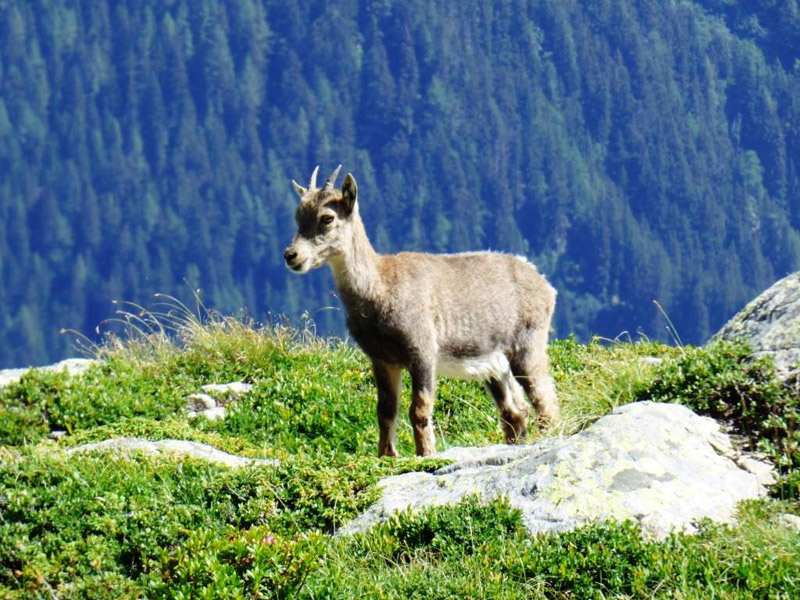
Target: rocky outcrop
172, 448
73, 366
213, 399
771, 325
659, 464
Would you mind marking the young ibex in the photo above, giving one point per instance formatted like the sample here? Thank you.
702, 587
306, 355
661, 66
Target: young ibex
476, 315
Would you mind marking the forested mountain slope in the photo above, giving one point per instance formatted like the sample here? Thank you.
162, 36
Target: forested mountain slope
636, 150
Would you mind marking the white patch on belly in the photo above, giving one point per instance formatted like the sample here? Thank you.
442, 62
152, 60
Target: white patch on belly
489, 366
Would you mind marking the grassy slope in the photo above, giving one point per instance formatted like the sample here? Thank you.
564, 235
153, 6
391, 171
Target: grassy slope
106, 526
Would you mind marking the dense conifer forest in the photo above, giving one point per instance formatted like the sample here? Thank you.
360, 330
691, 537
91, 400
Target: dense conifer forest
636, 150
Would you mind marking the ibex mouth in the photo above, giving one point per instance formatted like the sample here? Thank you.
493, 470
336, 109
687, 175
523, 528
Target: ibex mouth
300, 267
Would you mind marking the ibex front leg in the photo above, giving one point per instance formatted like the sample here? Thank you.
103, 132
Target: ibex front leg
389, 380
423, 379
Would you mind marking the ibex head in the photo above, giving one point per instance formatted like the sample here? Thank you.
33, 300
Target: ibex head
324, 222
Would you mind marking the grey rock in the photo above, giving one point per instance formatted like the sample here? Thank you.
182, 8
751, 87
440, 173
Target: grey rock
199, 402
172, 447
9, 376
771, 324
211, 403
73, 366
789, 520
57, 434
227, 392
762, 469
651, 360
659, 464
214, 414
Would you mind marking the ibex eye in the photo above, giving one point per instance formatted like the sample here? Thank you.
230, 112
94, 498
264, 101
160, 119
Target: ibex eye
326, 219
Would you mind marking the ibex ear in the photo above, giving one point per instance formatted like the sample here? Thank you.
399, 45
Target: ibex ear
298, 188
349, 193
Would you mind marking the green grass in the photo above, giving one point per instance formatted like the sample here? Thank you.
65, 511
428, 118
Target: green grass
723, 382
483, 551
101, 525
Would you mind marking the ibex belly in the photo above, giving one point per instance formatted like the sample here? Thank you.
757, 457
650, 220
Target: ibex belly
493, 365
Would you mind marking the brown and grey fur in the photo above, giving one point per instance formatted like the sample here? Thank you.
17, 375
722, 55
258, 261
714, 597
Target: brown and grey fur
478, 315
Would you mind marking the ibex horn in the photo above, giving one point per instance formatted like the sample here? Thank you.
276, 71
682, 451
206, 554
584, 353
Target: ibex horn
332, 179
312, 183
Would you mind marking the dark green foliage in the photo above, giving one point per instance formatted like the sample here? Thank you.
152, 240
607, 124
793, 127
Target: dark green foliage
109, 525
252, 563
721, 380
332, 411
565, 356
446, 532
635, 150
64, 520
569, 357
44, 402
67, 519
175, 427
614, 560
773, 25
601, 561
595, 561
724, 382
321, 397
459, 550
178, 528
788, 486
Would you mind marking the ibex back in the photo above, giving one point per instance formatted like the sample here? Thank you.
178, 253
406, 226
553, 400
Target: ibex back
478, 315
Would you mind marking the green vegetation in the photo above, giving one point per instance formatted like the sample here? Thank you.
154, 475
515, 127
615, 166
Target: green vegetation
478, 551
635, 150
723, 382
104, 525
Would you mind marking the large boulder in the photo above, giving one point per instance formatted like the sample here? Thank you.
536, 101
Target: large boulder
659, 464
771, 325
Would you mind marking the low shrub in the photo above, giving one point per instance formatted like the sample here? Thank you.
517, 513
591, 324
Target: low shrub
723, 381
105, 525
235, 564
42, 402
70, 519
474, 550
443, 532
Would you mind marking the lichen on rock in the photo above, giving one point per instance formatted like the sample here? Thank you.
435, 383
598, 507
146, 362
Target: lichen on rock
771, 325
659, 464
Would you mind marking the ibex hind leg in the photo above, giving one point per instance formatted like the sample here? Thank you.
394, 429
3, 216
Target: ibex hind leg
511, 407
531, 368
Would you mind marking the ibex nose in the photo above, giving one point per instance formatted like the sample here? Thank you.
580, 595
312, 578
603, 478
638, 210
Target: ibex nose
289, 255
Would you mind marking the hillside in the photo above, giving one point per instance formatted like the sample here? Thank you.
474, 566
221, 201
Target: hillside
636, 151
114, 525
